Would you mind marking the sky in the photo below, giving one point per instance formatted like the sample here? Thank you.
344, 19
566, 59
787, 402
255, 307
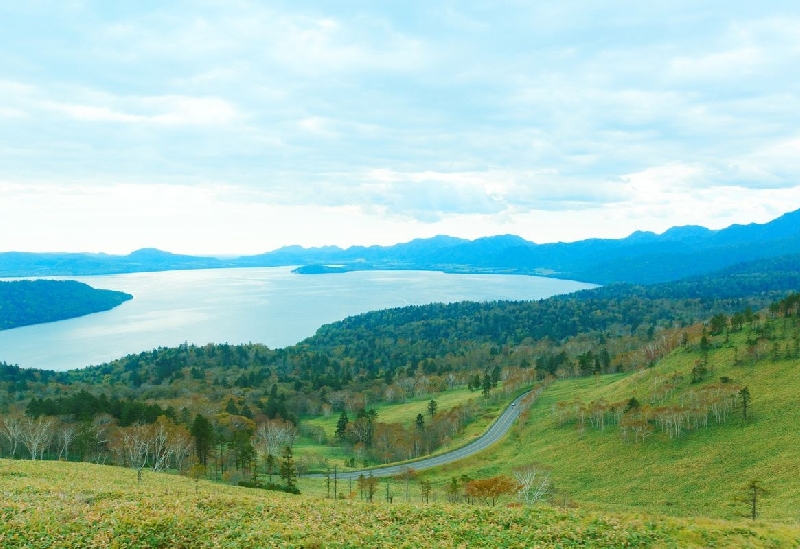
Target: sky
236, 127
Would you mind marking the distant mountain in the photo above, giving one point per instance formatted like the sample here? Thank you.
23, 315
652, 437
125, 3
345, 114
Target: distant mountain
642, 257
14, 264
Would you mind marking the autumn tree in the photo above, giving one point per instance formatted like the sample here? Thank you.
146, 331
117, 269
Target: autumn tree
490, 490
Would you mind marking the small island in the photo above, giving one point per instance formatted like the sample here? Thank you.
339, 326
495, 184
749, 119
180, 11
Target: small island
27, 302
322, 269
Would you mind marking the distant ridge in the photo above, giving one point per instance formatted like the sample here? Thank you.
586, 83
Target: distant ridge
642, 257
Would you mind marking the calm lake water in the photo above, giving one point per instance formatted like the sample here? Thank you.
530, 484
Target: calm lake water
260, 305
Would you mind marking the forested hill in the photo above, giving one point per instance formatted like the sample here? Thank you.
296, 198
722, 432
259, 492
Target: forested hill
25, 302
394, 337
641, 258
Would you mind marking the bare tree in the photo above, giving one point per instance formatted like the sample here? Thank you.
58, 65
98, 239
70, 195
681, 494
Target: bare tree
273, 435
101, 430
159, 433
65, 434
180, 445
133, 446
11, 429
534, 484
37, 434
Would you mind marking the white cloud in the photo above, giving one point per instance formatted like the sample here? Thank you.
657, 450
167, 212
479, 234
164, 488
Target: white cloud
406, 118
168, 110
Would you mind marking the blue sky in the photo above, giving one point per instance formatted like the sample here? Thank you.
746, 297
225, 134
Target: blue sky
238, 127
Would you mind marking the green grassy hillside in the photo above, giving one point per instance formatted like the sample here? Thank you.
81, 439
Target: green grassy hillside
70, 505
701, 472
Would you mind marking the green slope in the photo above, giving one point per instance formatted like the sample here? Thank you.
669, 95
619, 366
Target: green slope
55, 504
701, 472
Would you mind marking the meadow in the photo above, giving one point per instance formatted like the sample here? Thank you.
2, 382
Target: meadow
71, 505
701, 472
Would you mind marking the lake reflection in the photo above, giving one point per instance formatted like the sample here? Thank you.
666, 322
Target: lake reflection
260, 305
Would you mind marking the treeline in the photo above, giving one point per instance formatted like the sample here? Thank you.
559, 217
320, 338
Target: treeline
25, 302
229, 448
83, 406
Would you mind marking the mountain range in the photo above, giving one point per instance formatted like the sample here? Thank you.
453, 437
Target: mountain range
642, 257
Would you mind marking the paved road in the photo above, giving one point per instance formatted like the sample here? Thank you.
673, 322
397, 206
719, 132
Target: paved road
499, 428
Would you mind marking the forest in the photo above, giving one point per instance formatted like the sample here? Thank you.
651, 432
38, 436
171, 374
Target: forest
26, 302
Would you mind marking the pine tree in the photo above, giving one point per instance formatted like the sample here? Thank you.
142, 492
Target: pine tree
341, 425
744, 394
288, 471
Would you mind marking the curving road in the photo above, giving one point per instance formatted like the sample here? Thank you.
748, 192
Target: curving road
499, 428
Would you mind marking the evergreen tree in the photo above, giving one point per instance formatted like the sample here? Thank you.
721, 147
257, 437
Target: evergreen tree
341, 426
288, 471
432, 407
203, 434
744, 394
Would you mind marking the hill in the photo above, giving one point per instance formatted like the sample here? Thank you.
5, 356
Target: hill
52, 504
674, 438
641, 258
28, 264
26, 302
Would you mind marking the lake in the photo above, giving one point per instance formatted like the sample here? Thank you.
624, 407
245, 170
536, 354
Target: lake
272, 306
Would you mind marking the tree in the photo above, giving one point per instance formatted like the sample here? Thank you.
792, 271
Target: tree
36, 434
420, 422
11, 428
495, 376
753, 491
718, 323
341, 426
490, 490
453, 490
744, 395
371, 484
425, 488
269, 462
288, 471
533, 482
272, 435
65, 434
196, 472
487, 384
432, 407
407, 475
203, 433
133, 446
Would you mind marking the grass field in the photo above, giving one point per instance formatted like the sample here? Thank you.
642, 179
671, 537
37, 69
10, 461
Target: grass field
701, 473
406, 413
72, 505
